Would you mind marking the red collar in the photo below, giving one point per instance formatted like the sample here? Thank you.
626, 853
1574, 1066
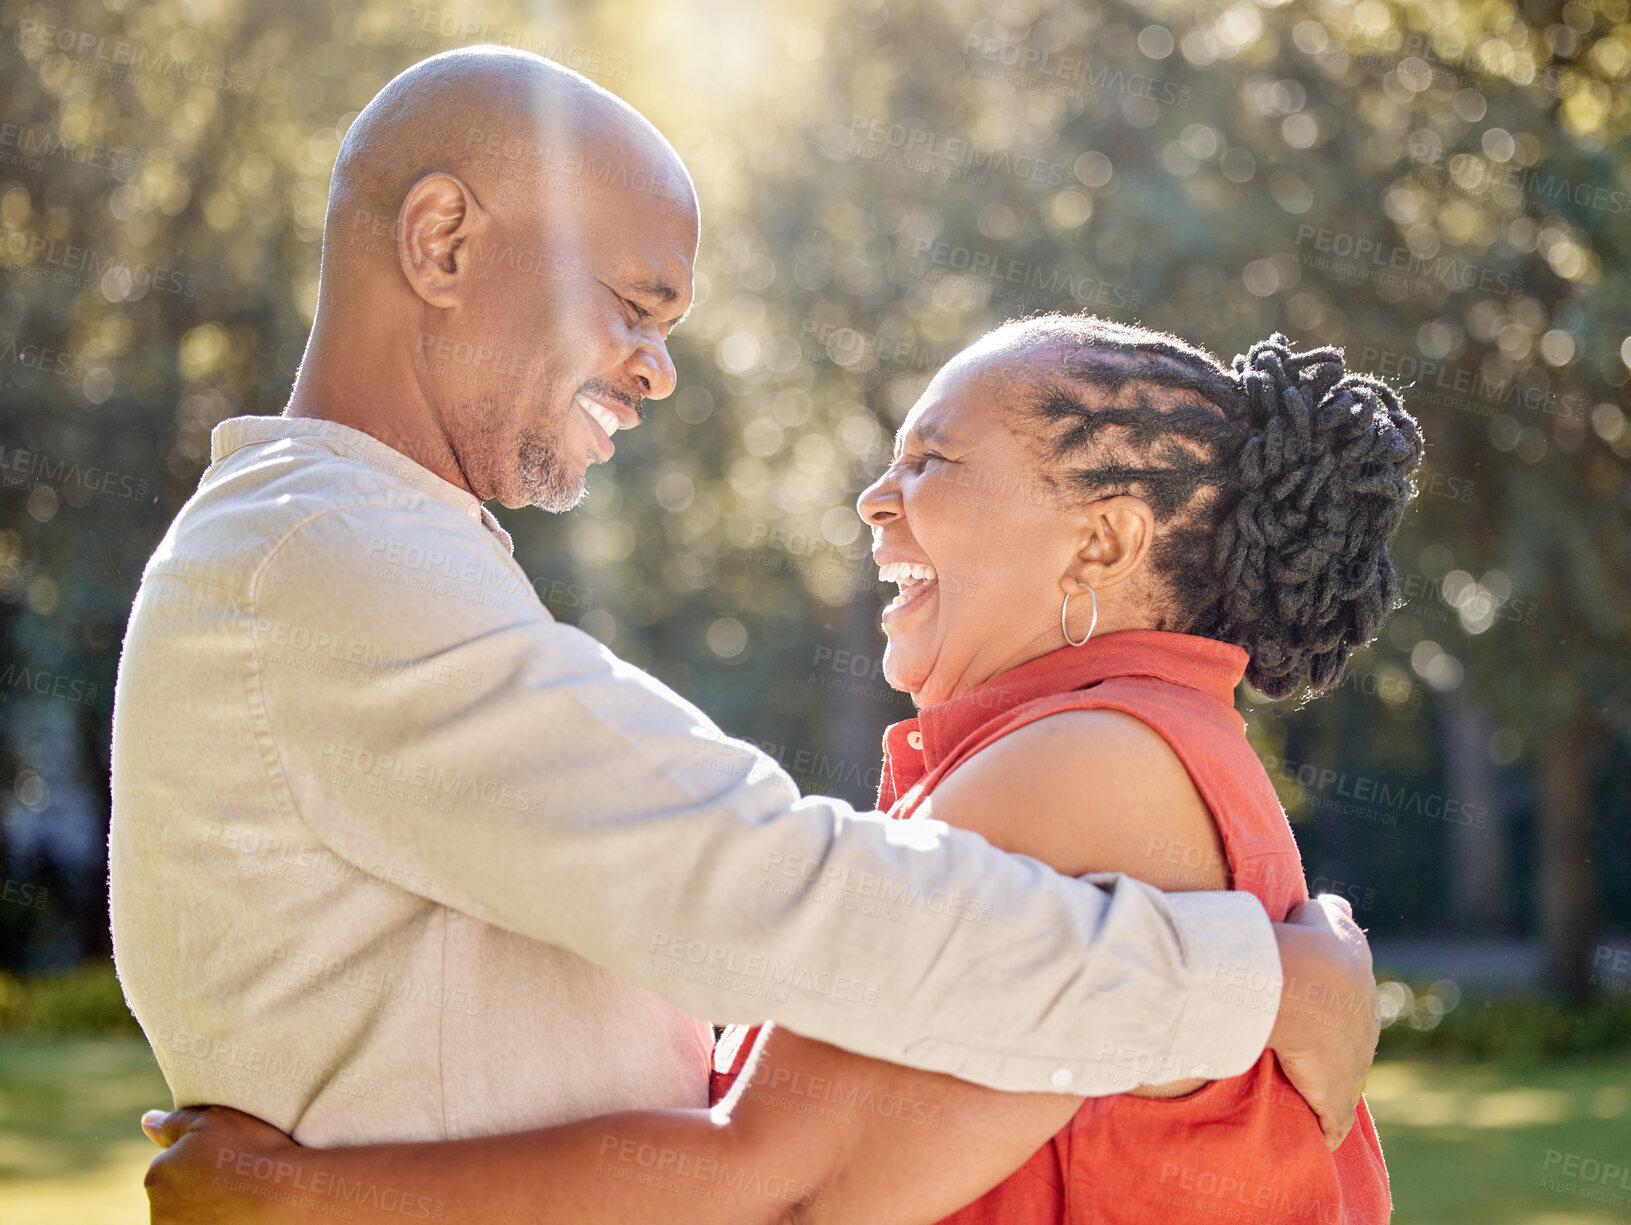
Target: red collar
914, 747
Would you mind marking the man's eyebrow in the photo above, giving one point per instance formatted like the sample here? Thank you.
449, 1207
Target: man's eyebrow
663, 292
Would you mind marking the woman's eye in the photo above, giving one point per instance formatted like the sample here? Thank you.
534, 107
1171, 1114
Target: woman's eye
919, 460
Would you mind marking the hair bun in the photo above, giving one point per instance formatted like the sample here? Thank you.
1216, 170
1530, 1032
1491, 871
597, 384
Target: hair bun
1325, 474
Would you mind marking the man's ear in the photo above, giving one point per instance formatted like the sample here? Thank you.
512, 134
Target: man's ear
1113, 544
439, 216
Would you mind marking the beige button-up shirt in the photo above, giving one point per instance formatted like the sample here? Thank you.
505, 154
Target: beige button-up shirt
395, 855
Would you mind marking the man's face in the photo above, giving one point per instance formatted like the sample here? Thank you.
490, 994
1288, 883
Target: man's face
561, 336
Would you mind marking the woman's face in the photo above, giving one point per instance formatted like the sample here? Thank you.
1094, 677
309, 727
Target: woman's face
979, 541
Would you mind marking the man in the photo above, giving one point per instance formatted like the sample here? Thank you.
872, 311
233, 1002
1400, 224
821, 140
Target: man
395, 856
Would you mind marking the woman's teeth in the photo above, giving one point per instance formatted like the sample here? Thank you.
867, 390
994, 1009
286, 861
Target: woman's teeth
603, 417
908, 574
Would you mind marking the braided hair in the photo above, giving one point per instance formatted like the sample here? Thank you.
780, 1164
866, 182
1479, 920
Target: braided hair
1276, 485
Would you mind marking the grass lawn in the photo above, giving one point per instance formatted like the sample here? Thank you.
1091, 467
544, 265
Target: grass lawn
1499, 1144
71, 1150
1491, 1144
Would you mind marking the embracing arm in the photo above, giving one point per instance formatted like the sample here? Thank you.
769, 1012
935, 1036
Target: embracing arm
810, 1132
814, 1134
500, 748
1146, 819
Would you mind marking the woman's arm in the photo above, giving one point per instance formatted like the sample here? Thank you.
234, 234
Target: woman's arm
1089, 791
810, 1133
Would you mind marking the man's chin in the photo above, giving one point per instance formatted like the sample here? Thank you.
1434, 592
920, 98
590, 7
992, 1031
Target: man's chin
560, 504
552, 498
547, 488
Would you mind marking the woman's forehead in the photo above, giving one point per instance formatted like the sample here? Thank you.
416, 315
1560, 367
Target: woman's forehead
960, 400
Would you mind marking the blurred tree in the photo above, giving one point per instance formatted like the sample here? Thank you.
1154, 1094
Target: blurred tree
1442, 188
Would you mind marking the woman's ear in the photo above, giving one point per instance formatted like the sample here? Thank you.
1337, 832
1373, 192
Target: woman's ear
1114, 543
439, 216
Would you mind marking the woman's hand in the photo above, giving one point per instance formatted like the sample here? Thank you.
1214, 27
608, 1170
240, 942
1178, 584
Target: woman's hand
219, 1167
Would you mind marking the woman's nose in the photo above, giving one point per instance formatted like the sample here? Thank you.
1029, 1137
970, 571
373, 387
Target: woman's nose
879, 502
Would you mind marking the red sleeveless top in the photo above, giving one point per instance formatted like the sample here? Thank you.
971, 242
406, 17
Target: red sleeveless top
1247, 1148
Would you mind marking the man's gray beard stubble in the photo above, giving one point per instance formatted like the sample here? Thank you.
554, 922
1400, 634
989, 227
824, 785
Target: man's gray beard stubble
543, 481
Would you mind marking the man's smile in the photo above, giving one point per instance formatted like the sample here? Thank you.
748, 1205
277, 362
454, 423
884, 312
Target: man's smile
605, 421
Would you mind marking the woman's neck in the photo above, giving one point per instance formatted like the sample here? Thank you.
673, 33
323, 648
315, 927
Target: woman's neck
980, 672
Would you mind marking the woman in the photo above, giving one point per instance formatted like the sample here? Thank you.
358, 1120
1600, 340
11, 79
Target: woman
1097, 530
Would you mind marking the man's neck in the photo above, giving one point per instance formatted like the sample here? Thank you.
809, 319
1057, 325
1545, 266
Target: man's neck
397, 416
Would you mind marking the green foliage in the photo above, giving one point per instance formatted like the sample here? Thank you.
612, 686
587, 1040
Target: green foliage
82, 1002
880, 183
1512, 1028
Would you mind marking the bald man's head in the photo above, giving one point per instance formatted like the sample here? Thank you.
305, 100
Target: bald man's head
523, 240
511, 124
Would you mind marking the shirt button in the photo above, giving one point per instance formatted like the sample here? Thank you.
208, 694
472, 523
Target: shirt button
915, 739
1061, 1078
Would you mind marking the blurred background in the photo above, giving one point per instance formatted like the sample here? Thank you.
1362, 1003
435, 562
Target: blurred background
1442, 188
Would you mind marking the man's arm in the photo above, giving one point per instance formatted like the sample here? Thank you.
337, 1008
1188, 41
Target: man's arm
513, 769
1098, 789
809, 1133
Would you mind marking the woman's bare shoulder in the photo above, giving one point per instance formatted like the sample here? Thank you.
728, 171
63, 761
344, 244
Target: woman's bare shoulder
1088, 791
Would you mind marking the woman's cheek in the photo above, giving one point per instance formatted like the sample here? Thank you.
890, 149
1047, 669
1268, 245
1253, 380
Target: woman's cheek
959, 584
927, 498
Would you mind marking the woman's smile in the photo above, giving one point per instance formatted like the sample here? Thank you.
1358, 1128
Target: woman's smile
917, 582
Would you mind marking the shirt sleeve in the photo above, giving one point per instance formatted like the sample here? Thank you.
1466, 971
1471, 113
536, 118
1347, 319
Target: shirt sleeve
449, 737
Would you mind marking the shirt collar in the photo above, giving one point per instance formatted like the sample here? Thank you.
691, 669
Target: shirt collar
237, 432
914, 747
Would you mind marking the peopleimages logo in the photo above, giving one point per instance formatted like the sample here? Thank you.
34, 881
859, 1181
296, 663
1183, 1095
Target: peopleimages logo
34, 143
1027, 67
723, 960
1528, 188
120, 58
913, 140
422, 27
47, 361
18, 466
24, 893
1376, 793
1606, 1182
1440, 383
48, 684
1005, 271
1371, 259
66, 263
862, 353
1425, 58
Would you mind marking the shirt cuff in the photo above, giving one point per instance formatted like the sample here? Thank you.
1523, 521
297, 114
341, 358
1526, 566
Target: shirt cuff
1234, 993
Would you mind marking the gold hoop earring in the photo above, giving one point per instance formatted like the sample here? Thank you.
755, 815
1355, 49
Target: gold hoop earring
1064, 618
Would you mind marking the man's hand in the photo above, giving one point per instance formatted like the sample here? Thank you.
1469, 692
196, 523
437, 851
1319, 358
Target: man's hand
209, 1150
1325, 1033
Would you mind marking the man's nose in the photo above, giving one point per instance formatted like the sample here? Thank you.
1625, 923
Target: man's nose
879, 502
651, 364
